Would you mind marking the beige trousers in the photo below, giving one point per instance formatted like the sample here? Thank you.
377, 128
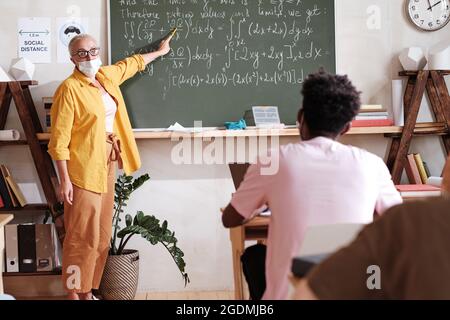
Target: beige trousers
88, 224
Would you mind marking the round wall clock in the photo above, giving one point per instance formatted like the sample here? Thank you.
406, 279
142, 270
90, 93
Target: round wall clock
429, 15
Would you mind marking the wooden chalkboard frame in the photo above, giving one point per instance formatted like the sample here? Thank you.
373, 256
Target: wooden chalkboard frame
108, 18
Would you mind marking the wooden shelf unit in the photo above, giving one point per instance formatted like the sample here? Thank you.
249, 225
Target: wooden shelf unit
433, 83
19, 91
31, 274
28, 207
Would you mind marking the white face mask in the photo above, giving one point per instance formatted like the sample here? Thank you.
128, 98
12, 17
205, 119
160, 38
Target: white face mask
90, 68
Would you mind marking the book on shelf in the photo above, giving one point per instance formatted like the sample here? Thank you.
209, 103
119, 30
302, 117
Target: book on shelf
412, 172
420, 166
427, 169
418, 190
373, 114
372, 108
4, 192
5, 173
358, 117
373, 123
17, 192
47, 101
1, 202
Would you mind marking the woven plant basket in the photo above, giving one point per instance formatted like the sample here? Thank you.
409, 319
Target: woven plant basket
120, 277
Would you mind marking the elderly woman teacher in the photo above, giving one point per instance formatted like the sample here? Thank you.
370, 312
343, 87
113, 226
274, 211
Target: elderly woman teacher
91, 132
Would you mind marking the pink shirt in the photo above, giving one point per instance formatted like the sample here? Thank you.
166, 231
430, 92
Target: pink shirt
319, 181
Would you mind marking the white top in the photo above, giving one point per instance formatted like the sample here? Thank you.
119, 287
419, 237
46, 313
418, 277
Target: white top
110, 109
315, 182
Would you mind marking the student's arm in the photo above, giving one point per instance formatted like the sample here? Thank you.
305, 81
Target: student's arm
231, 218
248, 199
388, 196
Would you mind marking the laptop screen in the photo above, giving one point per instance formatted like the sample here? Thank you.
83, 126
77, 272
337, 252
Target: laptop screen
238, 171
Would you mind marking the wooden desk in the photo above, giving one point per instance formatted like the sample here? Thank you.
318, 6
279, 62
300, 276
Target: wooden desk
4, 219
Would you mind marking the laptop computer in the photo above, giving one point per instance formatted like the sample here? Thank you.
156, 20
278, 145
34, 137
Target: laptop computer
238, 171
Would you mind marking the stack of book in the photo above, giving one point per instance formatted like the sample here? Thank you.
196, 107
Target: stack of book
416, 169
10, 194
47, 101
31, 248
372, 116
418, 191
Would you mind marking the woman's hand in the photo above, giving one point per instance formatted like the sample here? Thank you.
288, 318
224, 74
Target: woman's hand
164, 47
65, 192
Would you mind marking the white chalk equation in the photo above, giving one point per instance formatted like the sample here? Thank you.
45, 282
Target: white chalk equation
271, 40
226, 54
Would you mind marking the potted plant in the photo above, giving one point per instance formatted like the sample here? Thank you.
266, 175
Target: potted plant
120, 276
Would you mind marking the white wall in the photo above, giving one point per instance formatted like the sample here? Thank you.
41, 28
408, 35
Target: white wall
189, 197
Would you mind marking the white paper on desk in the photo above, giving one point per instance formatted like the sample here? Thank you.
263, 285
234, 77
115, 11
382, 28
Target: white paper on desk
177, 127
149, 130
267, 213
263, 212
9, 135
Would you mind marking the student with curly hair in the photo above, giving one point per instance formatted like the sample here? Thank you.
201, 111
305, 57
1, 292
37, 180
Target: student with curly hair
319, 181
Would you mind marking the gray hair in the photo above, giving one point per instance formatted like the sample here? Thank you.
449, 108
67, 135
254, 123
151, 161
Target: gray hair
79, 37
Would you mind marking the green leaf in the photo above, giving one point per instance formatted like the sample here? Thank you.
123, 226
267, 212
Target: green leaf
148, 226
128, 220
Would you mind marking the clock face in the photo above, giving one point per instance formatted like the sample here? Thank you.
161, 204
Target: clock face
429, 15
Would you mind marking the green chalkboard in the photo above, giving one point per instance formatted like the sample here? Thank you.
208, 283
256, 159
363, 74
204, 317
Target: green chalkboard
227, 56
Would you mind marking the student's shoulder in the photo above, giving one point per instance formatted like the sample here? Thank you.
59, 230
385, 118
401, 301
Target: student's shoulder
289, 149
364, 155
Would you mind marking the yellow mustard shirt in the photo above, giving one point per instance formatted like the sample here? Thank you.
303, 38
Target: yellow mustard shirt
78, 132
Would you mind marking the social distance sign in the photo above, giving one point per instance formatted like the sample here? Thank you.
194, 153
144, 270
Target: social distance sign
34, 39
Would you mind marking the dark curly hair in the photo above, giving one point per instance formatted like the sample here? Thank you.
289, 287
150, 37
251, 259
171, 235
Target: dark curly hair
329, 102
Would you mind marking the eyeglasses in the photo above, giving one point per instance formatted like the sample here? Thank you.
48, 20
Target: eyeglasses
84, 53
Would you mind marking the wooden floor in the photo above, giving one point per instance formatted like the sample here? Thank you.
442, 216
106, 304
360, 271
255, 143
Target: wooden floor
197, 295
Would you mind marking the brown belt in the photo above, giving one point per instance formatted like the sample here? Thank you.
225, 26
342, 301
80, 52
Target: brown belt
115, 150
